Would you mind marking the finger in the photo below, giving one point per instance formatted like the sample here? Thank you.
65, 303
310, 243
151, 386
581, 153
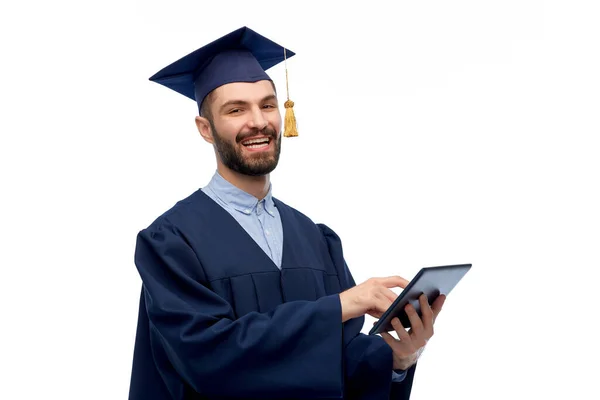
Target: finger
383, 304
436, 307
375, 313
400, 331
394, 281
389, 339
415, 321
426, 314
379, 307
389, 294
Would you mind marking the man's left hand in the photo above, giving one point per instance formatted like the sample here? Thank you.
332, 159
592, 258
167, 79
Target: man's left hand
411, 342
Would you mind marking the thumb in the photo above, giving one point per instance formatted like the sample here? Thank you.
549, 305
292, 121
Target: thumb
437, 305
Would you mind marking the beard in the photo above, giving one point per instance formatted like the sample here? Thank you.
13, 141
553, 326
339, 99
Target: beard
257, 164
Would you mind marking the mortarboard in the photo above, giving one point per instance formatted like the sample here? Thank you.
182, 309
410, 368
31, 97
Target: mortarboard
240, 56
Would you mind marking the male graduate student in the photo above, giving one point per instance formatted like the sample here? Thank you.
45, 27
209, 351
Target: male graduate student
243, 296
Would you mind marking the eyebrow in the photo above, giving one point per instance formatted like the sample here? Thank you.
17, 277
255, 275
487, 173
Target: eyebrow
242, 102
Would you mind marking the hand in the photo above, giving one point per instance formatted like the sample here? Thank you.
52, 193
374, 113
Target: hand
411, 342
371, 297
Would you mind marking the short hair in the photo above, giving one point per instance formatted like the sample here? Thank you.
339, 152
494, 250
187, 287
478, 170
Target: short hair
205, 108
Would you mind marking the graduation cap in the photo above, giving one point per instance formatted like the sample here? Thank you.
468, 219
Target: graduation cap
240, 56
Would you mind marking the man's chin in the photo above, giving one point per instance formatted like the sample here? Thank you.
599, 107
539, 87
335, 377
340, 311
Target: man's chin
261, 171
255, 169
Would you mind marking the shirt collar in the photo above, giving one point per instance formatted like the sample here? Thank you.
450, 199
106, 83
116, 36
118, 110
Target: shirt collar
238, 199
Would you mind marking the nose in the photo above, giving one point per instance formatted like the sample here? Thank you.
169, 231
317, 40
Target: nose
257, 120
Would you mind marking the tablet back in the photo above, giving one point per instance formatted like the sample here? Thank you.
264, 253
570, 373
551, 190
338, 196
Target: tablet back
432, 281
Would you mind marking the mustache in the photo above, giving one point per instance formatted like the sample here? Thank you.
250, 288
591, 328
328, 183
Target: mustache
269, 132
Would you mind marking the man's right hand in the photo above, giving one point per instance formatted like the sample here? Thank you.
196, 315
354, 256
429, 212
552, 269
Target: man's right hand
371, 297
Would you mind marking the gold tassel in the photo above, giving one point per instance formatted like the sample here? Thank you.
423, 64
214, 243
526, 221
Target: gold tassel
290, 128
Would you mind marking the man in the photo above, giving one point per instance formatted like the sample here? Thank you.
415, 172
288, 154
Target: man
243, 296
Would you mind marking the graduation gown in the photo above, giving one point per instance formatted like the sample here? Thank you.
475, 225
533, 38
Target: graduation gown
219, 320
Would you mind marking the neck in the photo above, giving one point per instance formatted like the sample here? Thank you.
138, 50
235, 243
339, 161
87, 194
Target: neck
257, 186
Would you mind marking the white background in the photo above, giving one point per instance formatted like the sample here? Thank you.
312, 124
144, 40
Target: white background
431, 133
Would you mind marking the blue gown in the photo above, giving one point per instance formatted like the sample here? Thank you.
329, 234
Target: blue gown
219, 320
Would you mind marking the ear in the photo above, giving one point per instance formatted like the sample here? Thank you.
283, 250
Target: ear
204, 128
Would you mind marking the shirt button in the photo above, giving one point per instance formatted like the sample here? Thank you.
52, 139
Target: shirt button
267, 232
247, 211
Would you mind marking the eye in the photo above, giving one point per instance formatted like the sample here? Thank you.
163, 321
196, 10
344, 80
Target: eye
235, 111
269, 106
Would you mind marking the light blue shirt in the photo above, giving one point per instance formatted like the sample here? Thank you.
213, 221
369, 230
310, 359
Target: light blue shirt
259, 218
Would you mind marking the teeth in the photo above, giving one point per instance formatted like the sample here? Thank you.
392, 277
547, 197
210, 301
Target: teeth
257, 146
254, 141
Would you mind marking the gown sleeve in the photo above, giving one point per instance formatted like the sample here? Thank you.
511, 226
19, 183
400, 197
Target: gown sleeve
368, 362
293, 351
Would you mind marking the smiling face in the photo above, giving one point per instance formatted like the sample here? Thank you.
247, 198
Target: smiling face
243, 122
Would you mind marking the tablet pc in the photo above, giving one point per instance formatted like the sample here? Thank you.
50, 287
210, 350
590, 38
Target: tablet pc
432, 281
